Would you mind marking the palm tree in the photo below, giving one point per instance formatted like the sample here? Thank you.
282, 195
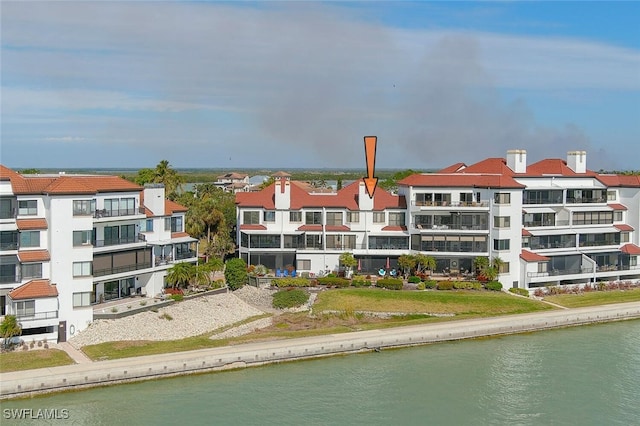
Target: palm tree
9, 328
181, 274
166, 175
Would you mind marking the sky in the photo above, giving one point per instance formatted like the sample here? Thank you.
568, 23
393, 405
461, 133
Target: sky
298, 84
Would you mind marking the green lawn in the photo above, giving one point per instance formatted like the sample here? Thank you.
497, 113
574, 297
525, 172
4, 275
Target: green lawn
595, 298
42, 358
461, 302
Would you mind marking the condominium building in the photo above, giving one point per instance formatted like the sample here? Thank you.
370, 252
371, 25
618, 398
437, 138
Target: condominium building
553, 222
70, 242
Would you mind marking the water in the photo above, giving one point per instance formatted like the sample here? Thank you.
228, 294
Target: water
585, 376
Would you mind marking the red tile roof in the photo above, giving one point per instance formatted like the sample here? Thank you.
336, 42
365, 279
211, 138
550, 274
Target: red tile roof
310, 228
171, 207
336, 228
615, 206
248, 227
34, 289
346, 198
496, 166
526, 233
632, 181
453, 168
529, 256
179, 234
623, 227
554, 166
27, 224
630, 249
26, 256
394, 228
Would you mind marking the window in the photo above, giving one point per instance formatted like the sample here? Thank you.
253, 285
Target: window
82, 238
8, 240
29, 239
127, 206
542, 267
501, 221
313, 218
269, 216
28, 207
617, 216
84, 207
81, 299
611, 195
127, 234
32, 270
504, 268
502, 198
6, 208
314, 241
593, 218
112, 207
244, 239
353, 217
111, 235
251, 218
624, 237
26, 308
295, 217
174, 224
81, 269
303, 264
264, 241
396, 219
378, 217
334, 218
501, 244
146, 225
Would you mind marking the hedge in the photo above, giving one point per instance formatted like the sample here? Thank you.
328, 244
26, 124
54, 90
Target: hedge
467, 285
291, 282
414, 280
334, 282
520, 291
390, 283
360, 281
291, 298
430, 283
493, 285
445, 285
420, 286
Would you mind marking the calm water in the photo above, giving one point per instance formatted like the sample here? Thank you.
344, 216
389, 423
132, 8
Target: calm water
579, 376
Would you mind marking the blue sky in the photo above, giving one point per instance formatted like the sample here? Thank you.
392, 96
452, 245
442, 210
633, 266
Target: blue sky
298, 84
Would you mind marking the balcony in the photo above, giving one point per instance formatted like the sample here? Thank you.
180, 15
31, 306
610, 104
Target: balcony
120, 269
11, 213
36, 316
189, 254
10, 279
559, 272
163, 260
8, 246
420, 203
140, 238
450, 226
104, 213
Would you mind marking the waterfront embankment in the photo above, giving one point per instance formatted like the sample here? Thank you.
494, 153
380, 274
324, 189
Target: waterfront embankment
100, 373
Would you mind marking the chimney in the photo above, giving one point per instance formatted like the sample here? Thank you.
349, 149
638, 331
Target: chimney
364, 201
517, 160
154, 198
282, 193
577, 161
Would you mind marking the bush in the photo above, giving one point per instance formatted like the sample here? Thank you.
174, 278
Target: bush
430, 284
334, 282
445, 285
290, 282
177, 297
461, 285
235, 273
291, 298
360, 281
520, 291
414, 280
390, 283
420, 286
493, 286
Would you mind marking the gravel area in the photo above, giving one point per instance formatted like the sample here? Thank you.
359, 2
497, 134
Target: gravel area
189, 318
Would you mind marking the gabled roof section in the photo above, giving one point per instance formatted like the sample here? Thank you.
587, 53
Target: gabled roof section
490, 166
34, 289
345, 198
623, 227
31, 224
457, 167
627, 181
394, 228
616, 206
461, 180
529, 256
630, 249
26, 256
232, 175
252, 227
171, 207
554, 167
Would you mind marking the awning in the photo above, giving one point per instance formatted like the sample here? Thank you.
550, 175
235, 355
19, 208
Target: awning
532, 210
589, 208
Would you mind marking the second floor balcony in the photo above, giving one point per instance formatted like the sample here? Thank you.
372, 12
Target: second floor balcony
140, 238
105, 213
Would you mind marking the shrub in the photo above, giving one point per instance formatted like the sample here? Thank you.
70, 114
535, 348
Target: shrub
445, 285
334, 281
461, 285
420, 286
290, 282
430, 284
217, 284
142, 303
290, 298
235, 273
177, 297
414, 280
520, 291
390, 283
360, 281
260, 270
114, 309
166, 316
493, 286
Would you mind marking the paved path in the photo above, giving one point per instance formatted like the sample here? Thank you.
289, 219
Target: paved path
29, 382
77, 356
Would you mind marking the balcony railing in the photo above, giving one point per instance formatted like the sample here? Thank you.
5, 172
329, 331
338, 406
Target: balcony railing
9, 213
584, 200
37, 316
558, 272
429, 227
418, 203
118, 212
6, 279
116, 241
120, 269
8, 246
186, 255
163, 260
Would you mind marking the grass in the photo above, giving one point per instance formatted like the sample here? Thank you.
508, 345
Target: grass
595, 298
461, 303
19, 360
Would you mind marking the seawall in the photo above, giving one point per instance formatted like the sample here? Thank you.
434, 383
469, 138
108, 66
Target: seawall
100, 373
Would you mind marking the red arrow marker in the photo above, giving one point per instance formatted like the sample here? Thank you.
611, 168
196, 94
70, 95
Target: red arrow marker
371, 182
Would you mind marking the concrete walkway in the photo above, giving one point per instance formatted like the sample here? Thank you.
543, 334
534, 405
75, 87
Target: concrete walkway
77, 356
29, 382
